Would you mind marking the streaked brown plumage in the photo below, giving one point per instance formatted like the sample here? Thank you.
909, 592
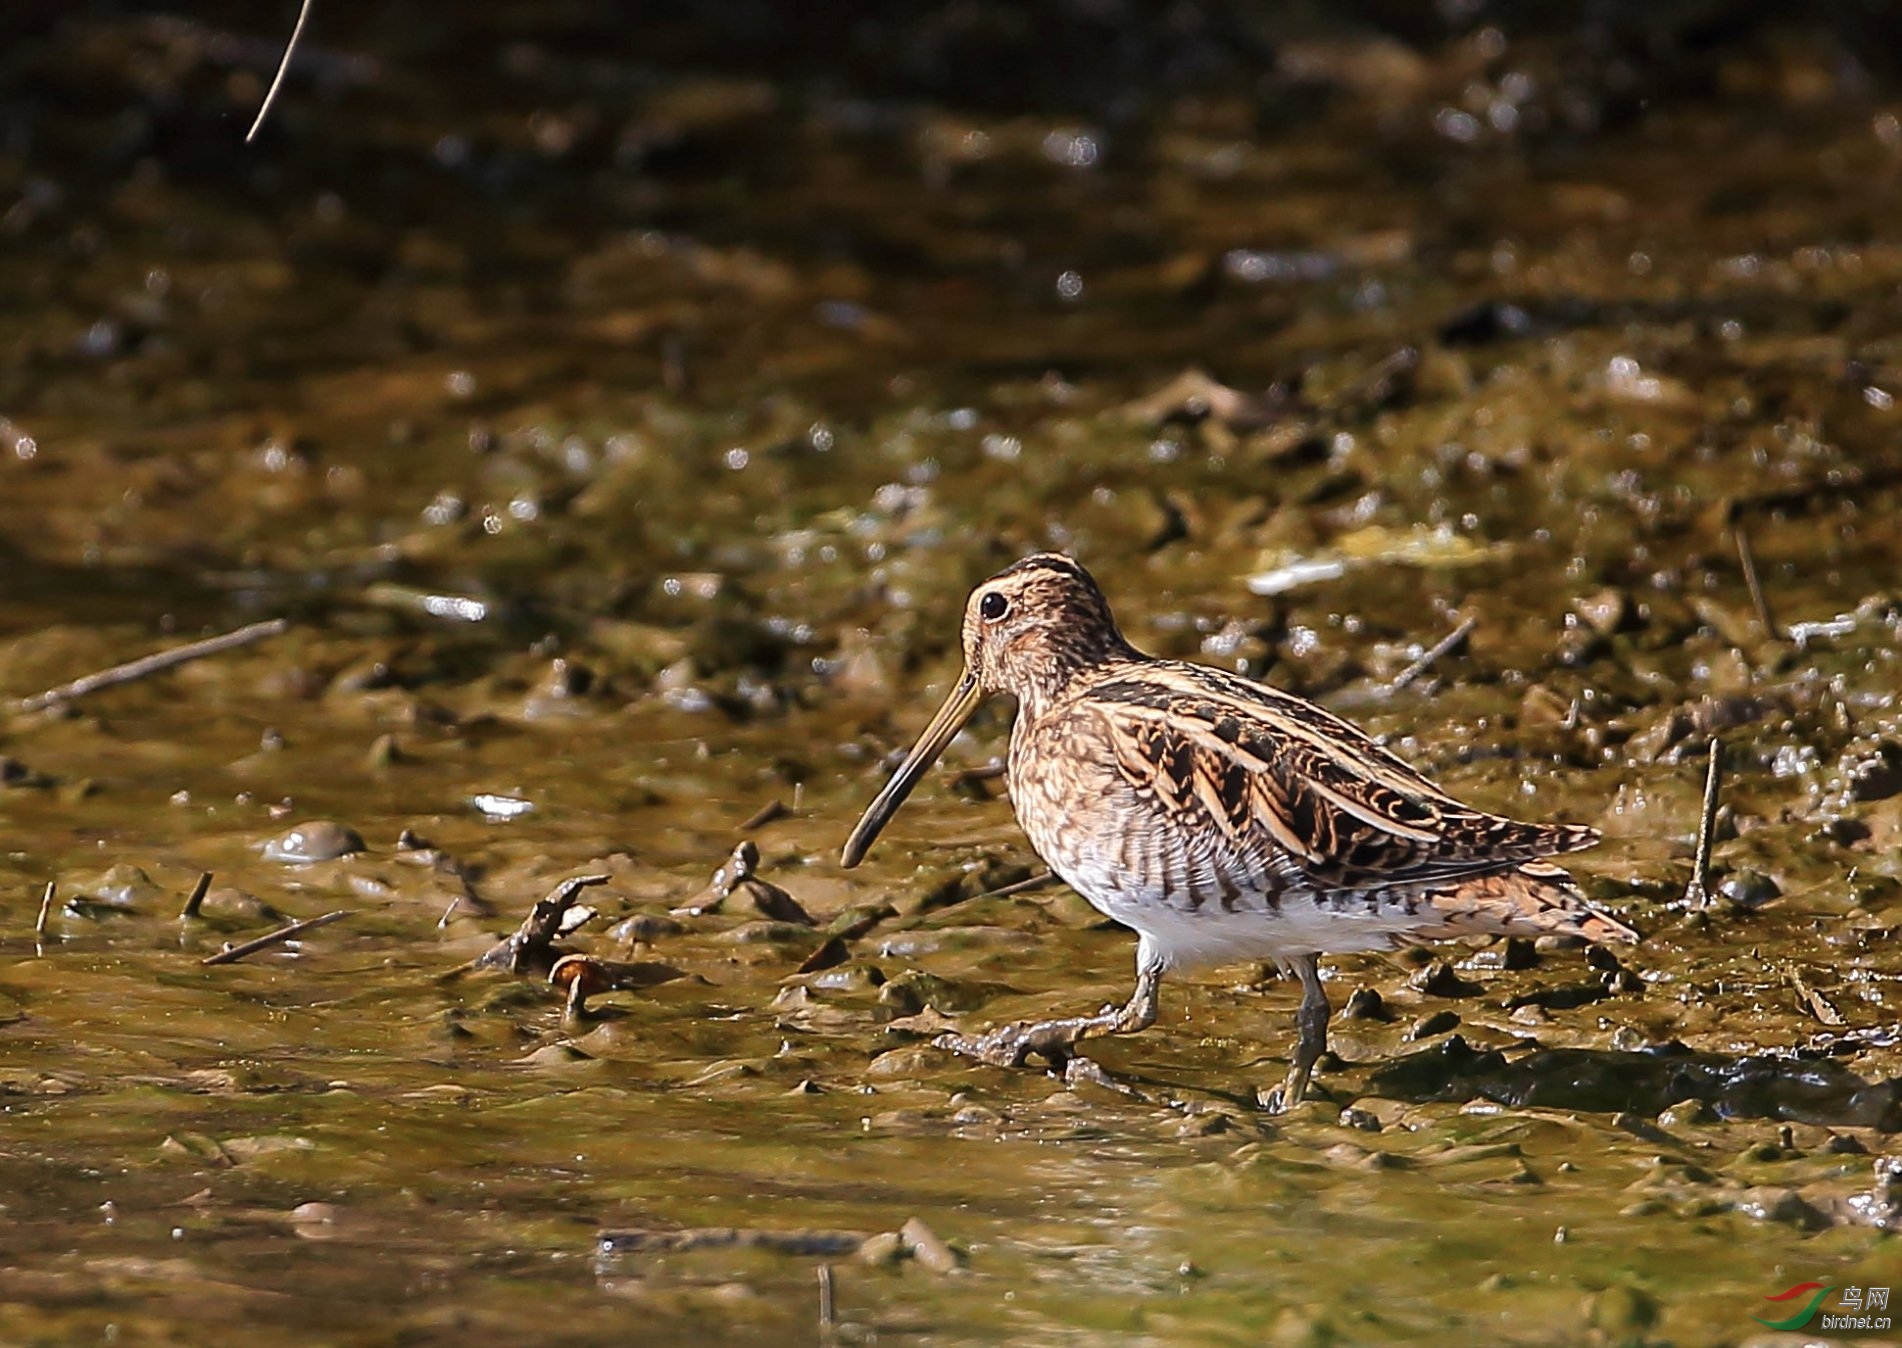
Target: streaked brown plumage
1221, 818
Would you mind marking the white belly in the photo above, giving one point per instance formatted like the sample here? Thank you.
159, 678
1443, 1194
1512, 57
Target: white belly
1186, 940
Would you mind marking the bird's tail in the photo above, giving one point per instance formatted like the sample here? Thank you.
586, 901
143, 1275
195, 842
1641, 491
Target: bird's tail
1531, 900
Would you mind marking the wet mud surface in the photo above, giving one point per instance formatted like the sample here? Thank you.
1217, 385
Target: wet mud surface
619, 413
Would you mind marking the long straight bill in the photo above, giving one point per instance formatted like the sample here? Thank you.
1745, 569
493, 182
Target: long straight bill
943, 729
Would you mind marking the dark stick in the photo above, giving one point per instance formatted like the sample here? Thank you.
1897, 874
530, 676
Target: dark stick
234, 953
531, 945
676, 376
1754, 585
147, 665
764, 815
810, 1241
1445, 645
283, 69
196, 897
1697, 894
46, 907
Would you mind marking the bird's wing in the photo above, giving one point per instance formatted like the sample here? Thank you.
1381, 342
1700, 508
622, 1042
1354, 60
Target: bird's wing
1294, 789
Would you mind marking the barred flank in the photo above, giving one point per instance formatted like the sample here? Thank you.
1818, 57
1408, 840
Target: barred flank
1529, 901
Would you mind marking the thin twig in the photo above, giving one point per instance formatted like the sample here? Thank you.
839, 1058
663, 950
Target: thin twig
1752, 583
1697, 894
147, 665
988, 772
531, 947
283, 68
828, 1317
1375, 384
1444, 646
764, 815
197, 897
46, 908
1041, 880
232, 954
807, 1241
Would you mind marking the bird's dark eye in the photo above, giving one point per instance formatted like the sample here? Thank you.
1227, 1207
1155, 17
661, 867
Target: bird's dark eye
993, 606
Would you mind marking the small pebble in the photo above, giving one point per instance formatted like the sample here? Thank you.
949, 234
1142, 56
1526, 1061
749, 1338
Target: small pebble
1365, 1004
1749, 889
928, 1248
1686, 1113
318, 840
645, 927
1437, 1023
495, 806
1439, 980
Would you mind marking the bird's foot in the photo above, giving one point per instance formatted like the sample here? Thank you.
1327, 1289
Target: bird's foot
1081, 1071
1011, 1045
1052, 1040
1290, 1093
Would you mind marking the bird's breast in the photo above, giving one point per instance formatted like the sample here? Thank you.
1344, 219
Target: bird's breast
1119, 847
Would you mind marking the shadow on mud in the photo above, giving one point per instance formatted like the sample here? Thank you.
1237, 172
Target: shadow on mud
1647, 1082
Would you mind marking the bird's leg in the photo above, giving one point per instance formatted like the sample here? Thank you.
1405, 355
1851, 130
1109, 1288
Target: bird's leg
1009, 1045
1310, 1023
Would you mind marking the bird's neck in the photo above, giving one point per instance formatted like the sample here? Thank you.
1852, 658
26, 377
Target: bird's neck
1058, 679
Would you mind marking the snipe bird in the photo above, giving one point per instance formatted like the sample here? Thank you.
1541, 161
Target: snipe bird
1221, 818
